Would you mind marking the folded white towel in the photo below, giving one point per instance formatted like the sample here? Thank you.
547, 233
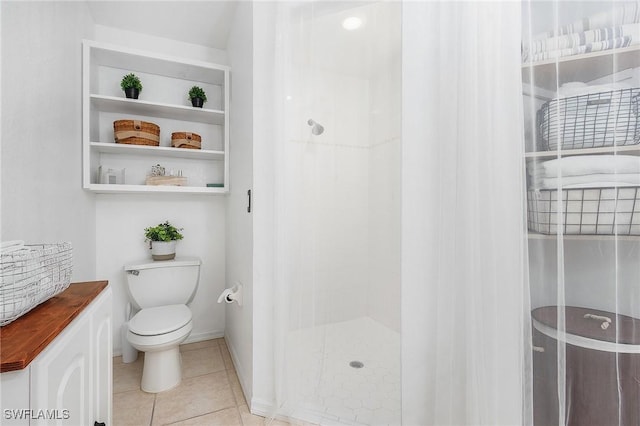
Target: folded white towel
599, 185
577, 88
614, 179
585, 165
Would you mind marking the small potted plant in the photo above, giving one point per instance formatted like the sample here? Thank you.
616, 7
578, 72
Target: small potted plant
131, 85
197, 96
162, 240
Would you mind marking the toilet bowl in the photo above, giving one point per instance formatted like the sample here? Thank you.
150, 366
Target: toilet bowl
158, 332
161, 291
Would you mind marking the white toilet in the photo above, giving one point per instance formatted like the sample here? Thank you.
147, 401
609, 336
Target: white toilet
161, 291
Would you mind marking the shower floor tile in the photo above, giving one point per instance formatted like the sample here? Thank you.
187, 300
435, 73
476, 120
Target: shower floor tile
330, 390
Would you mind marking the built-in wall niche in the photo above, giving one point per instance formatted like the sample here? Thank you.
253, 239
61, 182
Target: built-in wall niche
163, 101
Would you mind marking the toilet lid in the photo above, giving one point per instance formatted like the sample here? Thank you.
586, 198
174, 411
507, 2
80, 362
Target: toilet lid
160, 320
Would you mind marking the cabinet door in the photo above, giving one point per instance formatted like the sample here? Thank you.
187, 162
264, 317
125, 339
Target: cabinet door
14, 397
102, 367
60, 381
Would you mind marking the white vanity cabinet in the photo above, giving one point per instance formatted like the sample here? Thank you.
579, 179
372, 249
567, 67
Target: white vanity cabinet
163, 101
70, 381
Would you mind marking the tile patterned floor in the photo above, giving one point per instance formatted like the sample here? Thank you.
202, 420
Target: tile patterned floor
331, 391
209, 394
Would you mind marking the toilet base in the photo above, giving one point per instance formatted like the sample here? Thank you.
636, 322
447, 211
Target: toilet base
161, 370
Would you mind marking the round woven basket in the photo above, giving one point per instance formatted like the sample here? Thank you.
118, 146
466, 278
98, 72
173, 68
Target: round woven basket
187, 140
136, 132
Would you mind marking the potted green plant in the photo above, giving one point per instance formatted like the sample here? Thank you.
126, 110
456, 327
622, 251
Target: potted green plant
131, 85
197, 96
162, 240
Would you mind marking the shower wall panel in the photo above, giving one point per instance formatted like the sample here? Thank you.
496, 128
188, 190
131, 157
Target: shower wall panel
330, 191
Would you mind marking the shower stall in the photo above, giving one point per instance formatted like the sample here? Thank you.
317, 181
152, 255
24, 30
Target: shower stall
337, 194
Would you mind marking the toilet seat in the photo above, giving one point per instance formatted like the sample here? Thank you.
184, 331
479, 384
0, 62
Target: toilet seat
160, 320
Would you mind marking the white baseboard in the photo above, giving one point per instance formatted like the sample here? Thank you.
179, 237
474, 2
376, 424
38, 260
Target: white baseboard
245, 384
200, 337
262, 407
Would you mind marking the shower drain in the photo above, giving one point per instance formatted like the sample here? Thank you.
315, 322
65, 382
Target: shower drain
356, 364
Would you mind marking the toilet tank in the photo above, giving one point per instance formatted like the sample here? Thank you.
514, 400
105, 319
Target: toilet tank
161, 283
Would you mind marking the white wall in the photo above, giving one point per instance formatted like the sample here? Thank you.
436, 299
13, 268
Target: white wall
121, 219
239, 222
325, 190
42, 196
600, 274
160, 45
264, 69
120, 223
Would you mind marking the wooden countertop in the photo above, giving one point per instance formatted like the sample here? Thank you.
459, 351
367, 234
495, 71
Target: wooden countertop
23, 339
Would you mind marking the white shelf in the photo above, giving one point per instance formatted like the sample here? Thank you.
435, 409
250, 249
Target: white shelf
159, 151
536, 236
136, 60
155, 109
145, 189
551, 73
100, 62
626, 150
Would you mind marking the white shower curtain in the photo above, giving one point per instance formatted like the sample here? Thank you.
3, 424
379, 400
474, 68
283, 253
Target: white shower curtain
465, 308
582, 87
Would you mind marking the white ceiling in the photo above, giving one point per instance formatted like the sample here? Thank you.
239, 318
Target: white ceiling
206, 23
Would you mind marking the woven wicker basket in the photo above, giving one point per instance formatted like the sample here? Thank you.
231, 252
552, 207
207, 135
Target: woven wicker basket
136, 132
186, 140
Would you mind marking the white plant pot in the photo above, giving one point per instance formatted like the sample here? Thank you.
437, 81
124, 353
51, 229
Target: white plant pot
163, 250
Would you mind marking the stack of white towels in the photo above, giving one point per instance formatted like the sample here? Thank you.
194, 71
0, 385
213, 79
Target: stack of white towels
613, 29
586, 171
